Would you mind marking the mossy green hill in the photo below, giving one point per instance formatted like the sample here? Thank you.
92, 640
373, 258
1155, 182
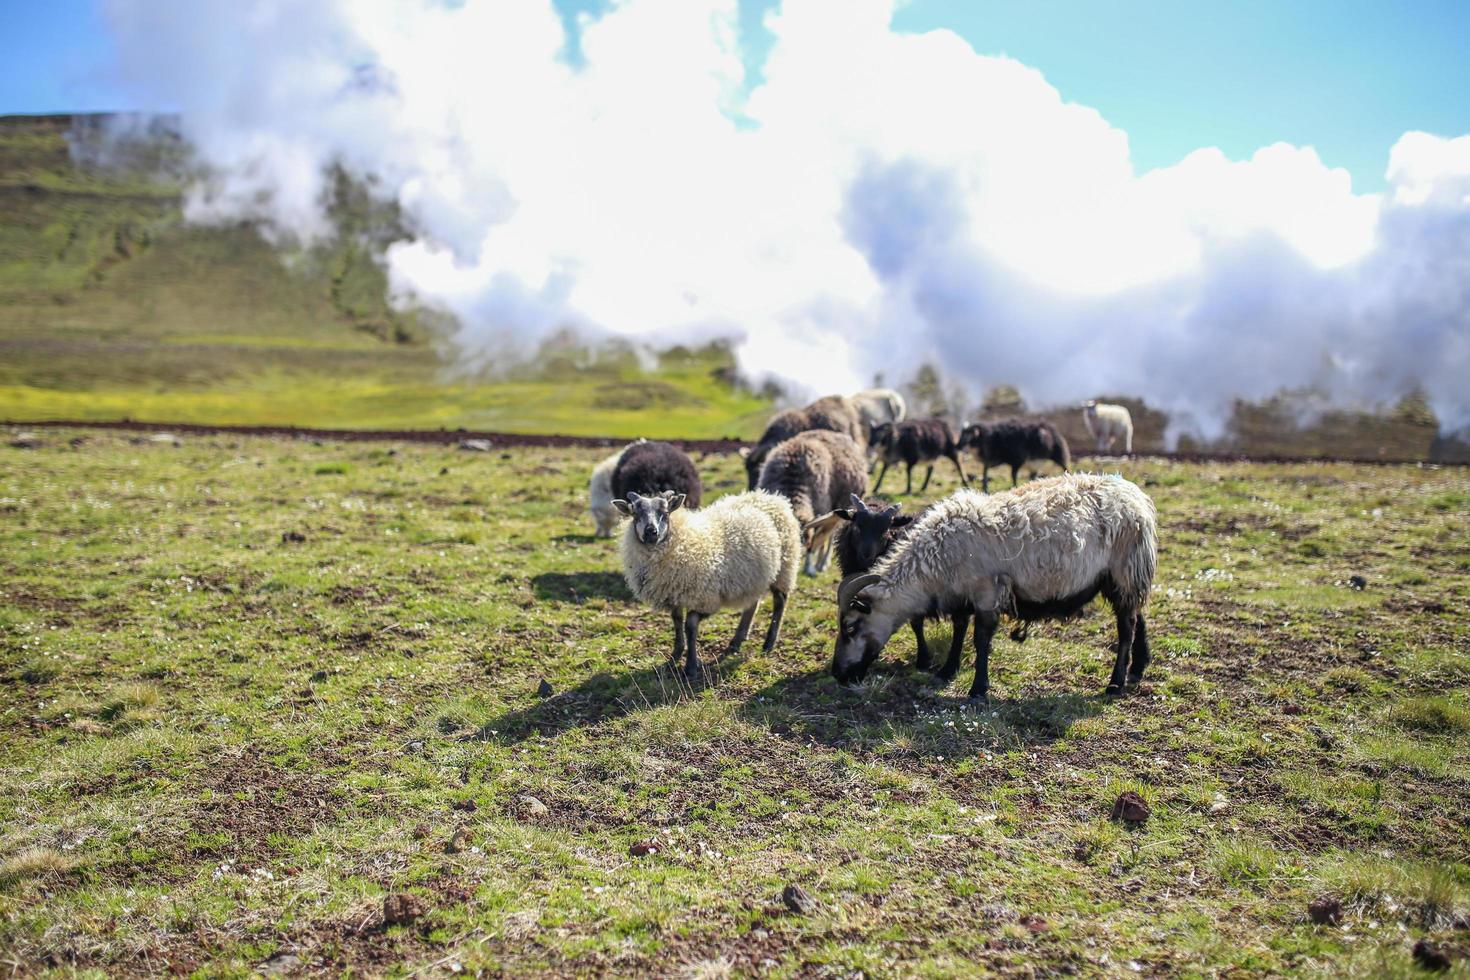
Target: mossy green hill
114, 308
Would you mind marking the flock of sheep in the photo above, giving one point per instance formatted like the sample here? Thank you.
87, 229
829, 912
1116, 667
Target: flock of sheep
1042, 550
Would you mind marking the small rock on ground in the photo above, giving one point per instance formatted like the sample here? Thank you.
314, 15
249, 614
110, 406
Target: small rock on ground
1130, 808
1325, 910
798, 900
1431, 956
401, 908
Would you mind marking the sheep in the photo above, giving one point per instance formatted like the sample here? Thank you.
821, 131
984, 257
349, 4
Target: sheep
862, 534
695, 563
916, 441
1043, 551
653, 467
1013, 442
1106, 423
834, 413
600, 493
878, 405
816, 471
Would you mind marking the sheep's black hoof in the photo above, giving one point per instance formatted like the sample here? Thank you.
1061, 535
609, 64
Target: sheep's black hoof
1135, 679
977, 700
944, 676
696, 676
1113, 691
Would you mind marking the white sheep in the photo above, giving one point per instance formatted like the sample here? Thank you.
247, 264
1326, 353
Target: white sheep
1042, 551
693, 563
879, 405
1106, 423
600, 493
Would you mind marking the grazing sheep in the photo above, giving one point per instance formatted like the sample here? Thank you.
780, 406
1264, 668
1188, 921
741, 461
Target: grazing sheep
916, 441
863, 533
1041, 552
695, 563
878, 405
653, 467
1106, 423
816, 471
834, 413
600, 493
1013, 442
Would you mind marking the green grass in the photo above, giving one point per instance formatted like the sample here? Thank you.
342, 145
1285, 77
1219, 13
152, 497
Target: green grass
219, 745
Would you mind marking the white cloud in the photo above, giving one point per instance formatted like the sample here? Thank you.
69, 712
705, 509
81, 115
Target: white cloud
880, 200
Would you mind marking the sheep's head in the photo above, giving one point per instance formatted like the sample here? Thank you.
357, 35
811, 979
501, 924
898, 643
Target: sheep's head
861, 632
650, 514
970, 435
870, 527
880, 434
1089, 408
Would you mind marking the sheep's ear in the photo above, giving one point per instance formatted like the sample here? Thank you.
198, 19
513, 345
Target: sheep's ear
624, 508
846, 513
675, 502
744, 452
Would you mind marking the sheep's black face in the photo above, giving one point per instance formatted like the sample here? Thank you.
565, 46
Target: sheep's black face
861, 634
857, 648
869, 529
969, 436
650, 514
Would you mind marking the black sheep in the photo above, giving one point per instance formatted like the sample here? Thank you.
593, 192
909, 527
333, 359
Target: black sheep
650, 468
1013, 442
863, 534
916, 441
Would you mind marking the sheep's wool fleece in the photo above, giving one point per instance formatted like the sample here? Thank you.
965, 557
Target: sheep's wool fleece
727, 555
599, 491
1053, 537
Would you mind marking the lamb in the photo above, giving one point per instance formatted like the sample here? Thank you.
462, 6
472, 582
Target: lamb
916, 441
600, 493
1013, 442
1106, 423
863, 533
834, 413
695, 563
817, 471
653, 467
1040, 552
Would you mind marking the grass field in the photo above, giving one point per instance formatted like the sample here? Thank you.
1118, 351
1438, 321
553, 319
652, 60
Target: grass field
254, 686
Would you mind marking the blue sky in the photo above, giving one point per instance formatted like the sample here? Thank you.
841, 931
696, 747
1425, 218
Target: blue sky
1345, 76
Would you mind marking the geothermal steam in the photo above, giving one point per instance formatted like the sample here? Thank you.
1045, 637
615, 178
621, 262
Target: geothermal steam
876, 201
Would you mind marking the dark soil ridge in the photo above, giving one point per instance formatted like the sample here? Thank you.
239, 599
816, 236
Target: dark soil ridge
511, 440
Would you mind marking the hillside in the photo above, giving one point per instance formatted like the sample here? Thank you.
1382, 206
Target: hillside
114, 308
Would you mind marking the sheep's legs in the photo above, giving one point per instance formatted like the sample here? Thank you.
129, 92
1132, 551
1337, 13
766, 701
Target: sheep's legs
778, 610
985, 624
743, 630
1141, 655
985, 478
692, 669
678, 635
929, 473
925, 658
881, 474
909, 489
1127, 621
959, 623
964, 480
1015, 471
